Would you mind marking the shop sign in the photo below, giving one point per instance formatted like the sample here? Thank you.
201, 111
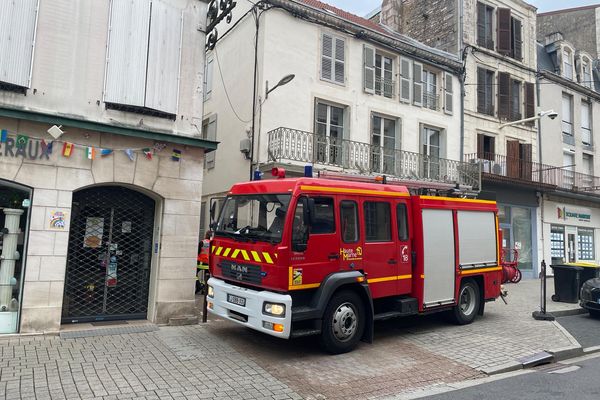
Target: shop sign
582, 215
33, 149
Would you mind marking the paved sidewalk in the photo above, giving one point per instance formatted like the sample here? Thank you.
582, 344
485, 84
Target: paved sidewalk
221, 360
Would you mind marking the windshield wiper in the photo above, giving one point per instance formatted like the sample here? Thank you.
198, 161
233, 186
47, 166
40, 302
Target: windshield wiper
232, 235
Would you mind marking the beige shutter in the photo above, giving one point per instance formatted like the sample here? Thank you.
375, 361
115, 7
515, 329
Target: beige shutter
448, 93
369, 69
339, 60
211, 134
405, 81
417, 84
327, 58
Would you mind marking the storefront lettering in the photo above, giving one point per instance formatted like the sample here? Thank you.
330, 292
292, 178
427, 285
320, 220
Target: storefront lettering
564, 214
34, 149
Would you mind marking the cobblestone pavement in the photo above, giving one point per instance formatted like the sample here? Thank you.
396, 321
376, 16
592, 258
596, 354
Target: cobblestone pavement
224, 360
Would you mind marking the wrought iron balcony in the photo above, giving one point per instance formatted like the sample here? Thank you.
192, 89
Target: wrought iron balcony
385, 87
495, 167
431, 101
291, 145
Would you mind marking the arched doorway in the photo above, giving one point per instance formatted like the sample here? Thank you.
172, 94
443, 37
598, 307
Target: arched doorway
109, 256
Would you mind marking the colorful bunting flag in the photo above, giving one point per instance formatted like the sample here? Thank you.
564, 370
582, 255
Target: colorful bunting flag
22, 141
176, 156
147, 153
130, 154
67, 149
46, 147
90, 153
3, 136
105, 152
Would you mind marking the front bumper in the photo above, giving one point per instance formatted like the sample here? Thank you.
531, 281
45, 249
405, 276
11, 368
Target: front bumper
250, 315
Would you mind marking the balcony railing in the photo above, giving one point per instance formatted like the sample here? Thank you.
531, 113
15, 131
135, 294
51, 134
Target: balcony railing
385, 87
496, 167
431, 101
287, 145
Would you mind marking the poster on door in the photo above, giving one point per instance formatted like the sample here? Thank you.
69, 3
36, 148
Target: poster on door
94, 228
111, 272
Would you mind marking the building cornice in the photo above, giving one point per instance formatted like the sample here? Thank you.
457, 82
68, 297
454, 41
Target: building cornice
117, 129
570, 84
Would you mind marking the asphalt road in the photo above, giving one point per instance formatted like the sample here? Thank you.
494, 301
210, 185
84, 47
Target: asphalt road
556, 381
584, 328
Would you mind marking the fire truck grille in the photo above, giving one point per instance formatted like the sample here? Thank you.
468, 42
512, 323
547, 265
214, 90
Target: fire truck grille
241, 272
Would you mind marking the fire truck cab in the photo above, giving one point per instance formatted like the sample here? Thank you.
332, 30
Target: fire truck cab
328, 257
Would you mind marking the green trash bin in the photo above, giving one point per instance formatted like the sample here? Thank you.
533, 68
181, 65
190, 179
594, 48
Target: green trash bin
567, 282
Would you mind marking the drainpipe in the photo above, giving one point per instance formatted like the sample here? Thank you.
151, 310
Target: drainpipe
463, 56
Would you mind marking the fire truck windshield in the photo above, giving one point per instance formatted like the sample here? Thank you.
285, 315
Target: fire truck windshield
254, 217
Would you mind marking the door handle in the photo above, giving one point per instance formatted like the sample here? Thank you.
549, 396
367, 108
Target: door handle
392, 261
334, 256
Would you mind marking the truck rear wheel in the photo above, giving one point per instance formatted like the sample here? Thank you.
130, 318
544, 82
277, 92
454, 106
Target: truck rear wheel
467, 304
343, 323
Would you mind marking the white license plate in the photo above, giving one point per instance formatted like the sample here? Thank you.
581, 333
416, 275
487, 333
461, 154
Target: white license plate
237, 300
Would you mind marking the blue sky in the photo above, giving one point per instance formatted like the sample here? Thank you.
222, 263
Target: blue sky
363, 7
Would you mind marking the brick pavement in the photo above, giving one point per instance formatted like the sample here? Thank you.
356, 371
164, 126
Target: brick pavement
221, 360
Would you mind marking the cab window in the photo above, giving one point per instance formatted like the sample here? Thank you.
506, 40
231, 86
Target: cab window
377, 221
324, 220
349, 221
402, 218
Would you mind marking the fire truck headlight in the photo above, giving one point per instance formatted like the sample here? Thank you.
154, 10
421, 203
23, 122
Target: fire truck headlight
211, 292
274, 309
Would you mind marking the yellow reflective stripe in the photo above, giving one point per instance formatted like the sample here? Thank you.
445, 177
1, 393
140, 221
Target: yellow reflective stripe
290, 277
235, 253
219, 250
480, 270
256, 256
245, 255
458, 199
267, 257
389, 278
213, 249
226, 252
307, 286
353, 191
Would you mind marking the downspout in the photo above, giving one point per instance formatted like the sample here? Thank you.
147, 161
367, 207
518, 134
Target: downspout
463, 55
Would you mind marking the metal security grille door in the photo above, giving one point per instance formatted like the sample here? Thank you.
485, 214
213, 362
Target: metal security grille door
110, 251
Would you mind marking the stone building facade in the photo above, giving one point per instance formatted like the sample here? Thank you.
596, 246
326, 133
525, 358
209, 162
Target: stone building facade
101, 159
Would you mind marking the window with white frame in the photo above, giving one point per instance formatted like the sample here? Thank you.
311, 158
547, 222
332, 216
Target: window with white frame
17, 39
378, 72
329, 132
568, 169
430, 94
384, 143
431, 151
557, 242
586, 73
567, 115
588, 170
567, 61
333, 58
143, 57
586, 126
485, 26
585, 243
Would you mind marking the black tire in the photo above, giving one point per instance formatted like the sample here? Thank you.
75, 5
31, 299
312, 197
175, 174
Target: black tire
594, 313
343, 323
468, 303
517, 277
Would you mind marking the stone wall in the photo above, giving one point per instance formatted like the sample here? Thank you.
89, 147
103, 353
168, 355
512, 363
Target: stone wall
177, 187
432, 22
577, 27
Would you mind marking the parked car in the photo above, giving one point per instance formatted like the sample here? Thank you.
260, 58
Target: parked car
589, 297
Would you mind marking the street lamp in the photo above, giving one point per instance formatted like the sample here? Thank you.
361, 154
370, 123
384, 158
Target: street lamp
550, 114
283, 81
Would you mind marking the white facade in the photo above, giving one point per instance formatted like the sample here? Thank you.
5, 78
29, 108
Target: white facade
289, 45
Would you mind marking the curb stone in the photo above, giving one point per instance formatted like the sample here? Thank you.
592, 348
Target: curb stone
499, 369
566, 313
564, 353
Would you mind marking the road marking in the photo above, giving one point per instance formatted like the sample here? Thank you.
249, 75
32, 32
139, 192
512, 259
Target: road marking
566, 370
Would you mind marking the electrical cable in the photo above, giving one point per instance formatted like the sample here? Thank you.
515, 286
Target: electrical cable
225, 90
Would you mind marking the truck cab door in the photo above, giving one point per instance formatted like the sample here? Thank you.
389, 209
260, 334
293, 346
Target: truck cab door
404, 249
351, 244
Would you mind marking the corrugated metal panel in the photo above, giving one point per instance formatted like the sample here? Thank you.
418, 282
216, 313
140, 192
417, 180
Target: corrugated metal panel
17, 37
162, 85
127, 52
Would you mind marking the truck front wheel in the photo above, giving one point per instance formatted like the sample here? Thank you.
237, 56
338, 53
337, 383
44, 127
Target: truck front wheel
467, 304
343, 323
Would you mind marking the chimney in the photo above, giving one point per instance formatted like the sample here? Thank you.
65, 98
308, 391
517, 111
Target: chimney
391, 14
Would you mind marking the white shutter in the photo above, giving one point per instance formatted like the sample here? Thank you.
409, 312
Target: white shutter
164, 54
405, 81
17, 40
327, 58
211, 134
417, 84
127, 53
208, 78
448, 94
339, 60
369, 69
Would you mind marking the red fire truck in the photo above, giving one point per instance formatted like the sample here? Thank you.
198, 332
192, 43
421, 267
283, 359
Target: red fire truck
328, 257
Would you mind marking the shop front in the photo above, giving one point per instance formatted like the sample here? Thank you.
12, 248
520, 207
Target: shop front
572, 230
96, 226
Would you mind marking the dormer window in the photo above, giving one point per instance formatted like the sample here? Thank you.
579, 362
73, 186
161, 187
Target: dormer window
567, 59
586, 73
